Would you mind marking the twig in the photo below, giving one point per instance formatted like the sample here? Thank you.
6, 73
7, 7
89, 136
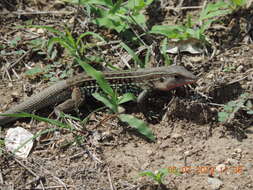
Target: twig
24, 166
106, 119
183, 8
19, 59
35, 12
110, 179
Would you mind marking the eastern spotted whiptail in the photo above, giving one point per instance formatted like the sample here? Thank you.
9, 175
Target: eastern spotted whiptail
68, 94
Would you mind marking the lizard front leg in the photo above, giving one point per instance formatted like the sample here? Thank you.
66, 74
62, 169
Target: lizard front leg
141, 99
71, 104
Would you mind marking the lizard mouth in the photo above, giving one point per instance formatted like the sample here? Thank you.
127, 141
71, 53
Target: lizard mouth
181, 84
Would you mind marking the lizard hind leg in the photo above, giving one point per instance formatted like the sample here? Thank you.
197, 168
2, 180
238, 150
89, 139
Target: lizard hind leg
70, 104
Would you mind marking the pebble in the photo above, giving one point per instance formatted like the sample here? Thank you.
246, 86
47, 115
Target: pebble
239, 69
232, 161
210, 76
238, 150
176, 136
214, 182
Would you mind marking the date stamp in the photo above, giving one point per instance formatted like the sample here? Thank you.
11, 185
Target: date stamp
211, 170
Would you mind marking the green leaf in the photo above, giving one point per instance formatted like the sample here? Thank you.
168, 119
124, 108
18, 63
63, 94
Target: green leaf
126, 98
172, 32
68, 38
250, 112
158, 177
164, 48
63, 43
132, 53
106, 101
229, 107
249, 104
49, 28
89, 33
149, 174
112, 22
213, 7
47, 120
34, 71
140, 125
222, 116
216, 14
98, 76
116, 7
140, 19
239, 2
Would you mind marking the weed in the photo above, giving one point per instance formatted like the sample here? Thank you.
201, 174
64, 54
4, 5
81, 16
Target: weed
159, 175
112, 100
194, 29
109, 97
118, 16
232, 107
236, 4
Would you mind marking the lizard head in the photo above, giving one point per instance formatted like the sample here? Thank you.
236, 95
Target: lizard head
175, 76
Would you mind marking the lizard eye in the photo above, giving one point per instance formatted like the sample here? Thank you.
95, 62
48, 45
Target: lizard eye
176, 77
162, 79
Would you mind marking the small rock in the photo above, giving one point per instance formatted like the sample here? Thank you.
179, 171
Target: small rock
10, 85
232, 161
238, 150
40, 31
187, 153
149, 152
210, 76
214, 182
176, 136
196, 59
239, 69
15, 94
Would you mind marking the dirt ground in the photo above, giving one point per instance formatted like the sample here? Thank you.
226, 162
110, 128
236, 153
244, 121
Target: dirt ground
109, 155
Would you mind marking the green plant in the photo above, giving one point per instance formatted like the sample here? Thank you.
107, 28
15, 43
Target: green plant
159, 175
48, 72
109, 97
75, 47
192, 32
118, 15
112, 100
39, 45
191, 29
232, 107
236, 4
12, 44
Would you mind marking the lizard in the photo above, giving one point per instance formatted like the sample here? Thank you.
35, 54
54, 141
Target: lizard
70, 93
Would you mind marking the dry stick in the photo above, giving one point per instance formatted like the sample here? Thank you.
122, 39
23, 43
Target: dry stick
106, 119
17, 61
52, 187
183, 8
110, 179
36, 12
38, 178
1, 178
6, 70
24, 166
63, 184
